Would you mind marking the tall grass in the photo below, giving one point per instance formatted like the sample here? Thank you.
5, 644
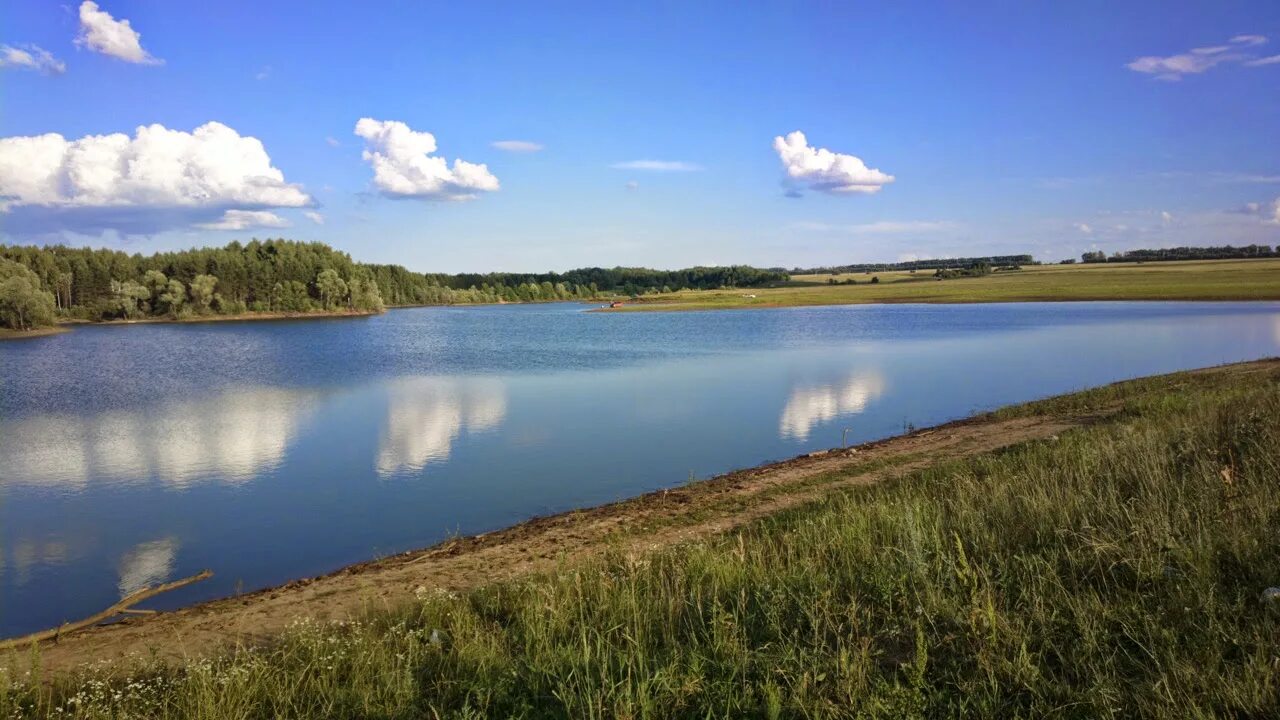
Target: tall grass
1113, 572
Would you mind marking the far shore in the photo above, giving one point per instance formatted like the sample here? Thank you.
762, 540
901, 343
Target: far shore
1188, 280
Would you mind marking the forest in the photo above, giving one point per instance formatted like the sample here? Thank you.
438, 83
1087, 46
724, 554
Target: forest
41, 284
1226, 252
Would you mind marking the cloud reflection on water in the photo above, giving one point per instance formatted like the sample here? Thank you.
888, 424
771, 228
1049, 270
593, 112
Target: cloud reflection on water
27, 553
229, 438
814, 405
426, 415
147, 564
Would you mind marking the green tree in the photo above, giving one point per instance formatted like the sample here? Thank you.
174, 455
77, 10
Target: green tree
23, 303
157, 282
332, 288
130, 298
202, 291
364, 295
174, 297
293, 297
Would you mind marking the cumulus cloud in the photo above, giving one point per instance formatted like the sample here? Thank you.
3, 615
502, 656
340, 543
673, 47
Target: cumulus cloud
157, 179
314, 217
245, 219
1198, 60
825, 171
31, 57
404, 167
657, 165
102, 33
517, 146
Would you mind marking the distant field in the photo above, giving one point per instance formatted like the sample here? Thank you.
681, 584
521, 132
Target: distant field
1189, 280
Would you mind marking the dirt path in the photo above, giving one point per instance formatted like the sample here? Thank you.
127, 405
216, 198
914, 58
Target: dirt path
639, 524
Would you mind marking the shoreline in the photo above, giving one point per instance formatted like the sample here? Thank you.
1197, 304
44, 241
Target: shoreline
239, 317
655, 306
541, 544
68, 325
7, 334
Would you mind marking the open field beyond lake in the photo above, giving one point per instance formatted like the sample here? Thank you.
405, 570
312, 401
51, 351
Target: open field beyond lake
1105, 553
1188, 280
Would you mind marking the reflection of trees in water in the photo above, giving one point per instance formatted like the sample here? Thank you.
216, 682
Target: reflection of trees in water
810, 406
426, 415
229, 438
148, 563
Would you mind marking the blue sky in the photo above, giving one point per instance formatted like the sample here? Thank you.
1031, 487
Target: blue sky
1006, 128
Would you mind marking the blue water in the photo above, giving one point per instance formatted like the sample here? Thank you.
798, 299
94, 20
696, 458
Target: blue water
276, 450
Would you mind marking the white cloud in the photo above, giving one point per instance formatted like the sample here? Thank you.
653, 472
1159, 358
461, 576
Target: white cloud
102, 33
826, 171
1269, 60
883, 227
517, 146
633, 185
1198, 60
1219, 177
31, 57
404, 167
1249, 40
314, 217
1084, 228
263, 74
245, 219
333, 141
157, 179
1175, 66
657, 165
1166, 217
1268, 211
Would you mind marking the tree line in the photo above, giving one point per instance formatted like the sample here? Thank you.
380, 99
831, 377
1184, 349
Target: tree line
926, 264
1225, 252
39, 284
272, 276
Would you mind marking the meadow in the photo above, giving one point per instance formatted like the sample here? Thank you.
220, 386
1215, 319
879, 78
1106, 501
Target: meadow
1119, 569
1182, 280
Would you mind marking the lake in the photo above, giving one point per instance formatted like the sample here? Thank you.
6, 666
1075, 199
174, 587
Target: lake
270, 451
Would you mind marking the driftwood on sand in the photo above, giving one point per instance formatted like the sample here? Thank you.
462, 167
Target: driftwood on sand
124, 606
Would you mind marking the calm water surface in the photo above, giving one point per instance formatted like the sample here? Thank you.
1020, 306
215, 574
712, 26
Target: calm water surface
271, 451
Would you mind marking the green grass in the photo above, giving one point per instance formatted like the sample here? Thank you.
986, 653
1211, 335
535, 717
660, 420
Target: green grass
1113, 572
1190, 280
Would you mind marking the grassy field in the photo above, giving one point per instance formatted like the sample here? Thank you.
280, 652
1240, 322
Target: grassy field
1190, 280
1114, 571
